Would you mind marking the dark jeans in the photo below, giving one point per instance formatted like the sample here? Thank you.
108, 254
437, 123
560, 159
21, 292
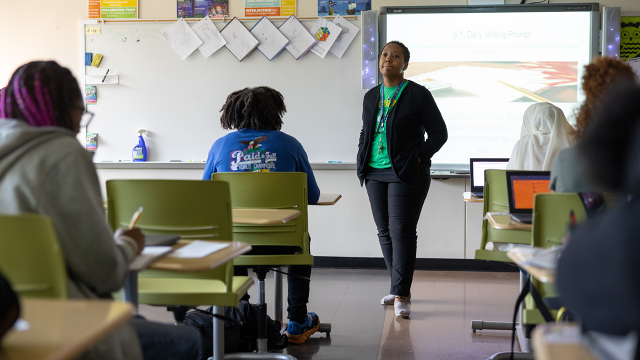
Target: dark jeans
396, 209
166, 341
298, 288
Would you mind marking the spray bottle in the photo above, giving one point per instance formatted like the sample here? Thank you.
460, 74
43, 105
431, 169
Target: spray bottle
140, 150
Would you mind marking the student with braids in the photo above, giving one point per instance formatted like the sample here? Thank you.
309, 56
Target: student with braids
44, 170
256, 114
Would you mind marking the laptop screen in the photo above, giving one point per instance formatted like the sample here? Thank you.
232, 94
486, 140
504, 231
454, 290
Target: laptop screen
523, 185
478, 166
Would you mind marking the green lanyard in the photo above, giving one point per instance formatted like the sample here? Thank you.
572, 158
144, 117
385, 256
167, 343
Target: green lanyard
382, 118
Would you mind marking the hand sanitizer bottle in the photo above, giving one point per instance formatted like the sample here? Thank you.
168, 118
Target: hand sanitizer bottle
140, 150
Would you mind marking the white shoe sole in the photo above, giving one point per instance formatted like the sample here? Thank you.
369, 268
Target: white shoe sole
402, 310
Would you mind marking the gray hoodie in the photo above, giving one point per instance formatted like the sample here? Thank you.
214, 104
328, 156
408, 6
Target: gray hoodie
44, 170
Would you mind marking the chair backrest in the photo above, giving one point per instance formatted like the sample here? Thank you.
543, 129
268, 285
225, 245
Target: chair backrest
552, 217
30, 256
496, 198
272, 190
193, 209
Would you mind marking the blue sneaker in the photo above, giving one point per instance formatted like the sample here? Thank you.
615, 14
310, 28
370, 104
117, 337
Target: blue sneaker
299, 333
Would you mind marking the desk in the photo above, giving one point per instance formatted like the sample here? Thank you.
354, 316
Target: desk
328, 199
211, 261
263, 216
502, 221
559, 342
62, 329
542, 274
467, 197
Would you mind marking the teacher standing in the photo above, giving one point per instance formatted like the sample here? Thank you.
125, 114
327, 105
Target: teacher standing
394, 160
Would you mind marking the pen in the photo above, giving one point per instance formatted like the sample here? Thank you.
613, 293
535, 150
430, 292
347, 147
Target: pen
135, 217
105, 76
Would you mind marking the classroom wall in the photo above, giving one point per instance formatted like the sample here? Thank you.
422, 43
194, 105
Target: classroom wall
44, 29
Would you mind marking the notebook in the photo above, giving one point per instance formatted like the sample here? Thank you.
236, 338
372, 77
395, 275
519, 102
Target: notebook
477, 166
521, 187
160, 239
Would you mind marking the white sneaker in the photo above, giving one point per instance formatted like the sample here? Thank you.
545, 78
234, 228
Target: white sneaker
387, 300
401, 308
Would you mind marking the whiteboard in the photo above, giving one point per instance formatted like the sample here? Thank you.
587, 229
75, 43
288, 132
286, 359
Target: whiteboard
178, 101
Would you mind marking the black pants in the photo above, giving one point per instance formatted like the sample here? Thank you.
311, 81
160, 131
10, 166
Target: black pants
396, 209
298, 288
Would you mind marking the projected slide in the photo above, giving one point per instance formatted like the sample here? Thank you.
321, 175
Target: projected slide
484, 69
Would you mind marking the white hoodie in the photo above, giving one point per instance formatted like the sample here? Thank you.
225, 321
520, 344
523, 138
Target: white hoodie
44, 170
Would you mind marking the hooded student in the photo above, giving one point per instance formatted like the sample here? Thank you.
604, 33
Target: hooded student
545, 131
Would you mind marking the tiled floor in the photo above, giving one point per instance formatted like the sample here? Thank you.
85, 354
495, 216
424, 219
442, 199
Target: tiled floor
442, 307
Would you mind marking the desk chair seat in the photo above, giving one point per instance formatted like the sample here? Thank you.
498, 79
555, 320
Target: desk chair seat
30, 256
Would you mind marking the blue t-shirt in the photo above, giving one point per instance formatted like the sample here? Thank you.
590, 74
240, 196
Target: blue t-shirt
260, 150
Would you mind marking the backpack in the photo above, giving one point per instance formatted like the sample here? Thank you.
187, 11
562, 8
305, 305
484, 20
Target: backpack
237, 338
9, 306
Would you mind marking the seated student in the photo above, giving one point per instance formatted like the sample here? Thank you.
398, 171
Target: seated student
44, 170
9, 306
598, 271
567, 171
545, 131
256, 114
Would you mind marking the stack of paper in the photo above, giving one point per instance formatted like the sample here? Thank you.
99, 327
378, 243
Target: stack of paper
198, 249
239, 40
272, 42
149, 255
300, 39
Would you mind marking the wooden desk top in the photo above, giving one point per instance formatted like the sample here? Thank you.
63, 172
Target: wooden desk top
328, 199
263, 216
467, 197
542, 274
502, 221
62, 329
559, 342
208, 262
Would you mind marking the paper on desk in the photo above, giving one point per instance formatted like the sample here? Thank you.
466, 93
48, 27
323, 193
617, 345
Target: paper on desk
182, 38
272, 41
21, 325
211, 38
346, 36
547, 258
149, 255
198, 249
300, 39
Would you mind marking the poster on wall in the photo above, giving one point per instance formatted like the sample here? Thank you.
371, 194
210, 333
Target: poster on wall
260, 8
630, 41
113, 9
342, 7
202, 8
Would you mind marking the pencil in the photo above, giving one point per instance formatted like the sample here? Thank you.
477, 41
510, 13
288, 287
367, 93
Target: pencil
134, 219
524, 92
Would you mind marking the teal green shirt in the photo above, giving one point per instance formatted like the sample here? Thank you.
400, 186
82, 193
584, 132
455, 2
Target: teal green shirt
379, 156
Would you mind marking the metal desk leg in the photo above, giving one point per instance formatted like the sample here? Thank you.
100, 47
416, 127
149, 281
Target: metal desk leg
277, 281
218, 334
130, 289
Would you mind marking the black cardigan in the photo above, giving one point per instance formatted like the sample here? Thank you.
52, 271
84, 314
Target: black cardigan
414, 114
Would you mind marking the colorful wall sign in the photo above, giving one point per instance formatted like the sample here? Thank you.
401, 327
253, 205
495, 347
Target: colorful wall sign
261, 8
113, 9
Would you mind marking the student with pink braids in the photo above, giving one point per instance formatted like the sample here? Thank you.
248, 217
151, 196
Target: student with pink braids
44, 170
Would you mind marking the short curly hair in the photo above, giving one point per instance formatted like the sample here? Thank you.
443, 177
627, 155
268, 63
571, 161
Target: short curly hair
598, 78
258, 108
405, 49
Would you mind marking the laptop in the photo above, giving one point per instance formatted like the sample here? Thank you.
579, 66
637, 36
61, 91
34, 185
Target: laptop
521, 187
160, 239
477, 166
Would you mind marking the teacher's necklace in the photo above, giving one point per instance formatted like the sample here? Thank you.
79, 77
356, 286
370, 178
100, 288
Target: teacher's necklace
383, 115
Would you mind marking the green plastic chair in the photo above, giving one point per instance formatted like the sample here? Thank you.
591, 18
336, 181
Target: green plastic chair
496, 200
272, 190
551, 223
31, 257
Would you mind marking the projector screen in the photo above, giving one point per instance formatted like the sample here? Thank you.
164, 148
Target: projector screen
485, 65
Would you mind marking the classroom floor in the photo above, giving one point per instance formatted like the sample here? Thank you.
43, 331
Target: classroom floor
442, 307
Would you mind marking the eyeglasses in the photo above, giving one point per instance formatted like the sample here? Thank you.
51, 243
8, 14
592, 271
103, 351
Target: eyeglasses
86, 118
